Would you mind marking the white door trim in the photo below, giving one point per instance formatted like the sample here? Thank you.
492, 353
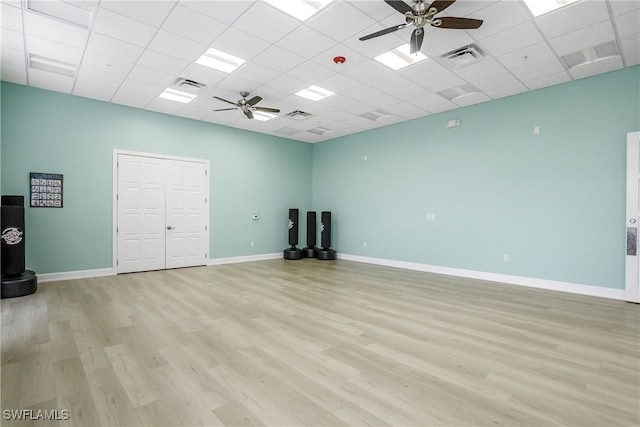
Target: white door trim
632, 218
114, 201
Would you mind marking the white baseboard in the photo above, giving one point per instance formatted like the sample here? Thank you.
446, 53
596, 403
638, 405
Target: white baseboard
249, 258
552, 285
70, 275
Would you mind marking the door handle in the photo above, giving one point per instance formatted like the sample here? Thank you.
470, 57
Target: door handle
170, 227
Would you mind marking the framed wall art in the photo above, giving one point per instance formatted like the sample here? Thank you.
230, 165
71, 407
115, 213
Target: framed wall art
46, 190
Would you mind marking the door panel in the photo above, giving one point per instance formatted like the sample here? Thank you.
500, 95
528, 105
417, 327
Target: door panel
632, 266
162, 213
141, 214
186, 184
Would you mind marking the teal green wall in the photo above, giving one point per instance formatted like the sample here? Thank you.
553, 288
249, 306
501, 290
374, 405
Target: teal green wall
45, 131
553, 202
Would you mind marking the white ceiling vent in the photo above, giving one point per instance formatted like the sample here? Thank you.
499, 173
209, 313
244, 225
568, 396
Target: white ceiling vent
463, 56
52, 65
288, 131
375, 115
320, 130
189, 86
298, 115
590, 55
458, 92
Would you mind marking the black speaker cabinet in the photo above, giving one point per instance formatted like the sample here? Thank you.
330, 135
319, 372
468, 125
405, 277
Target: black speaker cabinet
326, 253
16, 281
293, 252
311, 251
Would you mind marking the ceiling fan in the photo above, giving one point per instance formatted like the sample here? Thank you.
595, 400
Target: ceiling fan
247, 105
420, 15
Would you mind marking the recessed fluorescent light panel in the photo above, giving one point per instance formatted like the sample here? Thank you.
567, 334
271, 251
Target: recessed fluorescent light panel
77, 12
300, 9
219, 60
540, 7
177, 95
52, 66
400, 57
262, 116
314, 93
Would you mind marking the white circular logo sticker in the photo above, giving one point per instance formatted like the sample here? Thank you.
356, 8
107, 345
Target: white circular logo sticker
12, 235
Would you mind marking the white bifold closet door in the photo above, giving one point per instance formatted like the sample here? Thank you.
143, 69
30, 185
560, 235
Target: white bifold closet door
162, 213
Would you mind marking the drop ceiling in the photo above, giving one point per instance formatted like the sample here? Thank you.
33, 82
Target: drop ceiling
129, 52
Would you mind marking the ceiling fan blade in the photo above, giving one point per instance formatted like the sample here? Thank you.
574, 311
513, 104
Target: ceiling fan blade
254, 100
440, 5
382, 32
457, 23
224, 100
399, 5
416, 40
266, 109
226, 109
248, 113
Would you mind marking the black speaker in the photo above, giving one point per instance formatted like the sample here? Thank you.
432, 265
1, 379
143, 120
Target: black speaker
13, 239
16, 281
293, 252
311, 251
326, 253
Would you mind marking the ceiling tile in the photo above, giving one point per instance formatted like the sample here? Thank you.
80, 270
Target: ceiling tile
162, 105
423, 70
311, 72
630, 44
202, 74
56, 31
193, 112
620, 7
527, 55
107, 64
96, 84
476, 98
539, 69
256, 73
266, 22
123, 28
233, 83
150, 75
193, 25
225, 11
340, 21
176, 46
367, 71
572, 17
49, 49
444, 81
593, 35
513, 39
547, 80
113, 48
10, 39
376, 10
288, 84
497, 17
50, 81
411, 91
480, 70
629, 23
240, 44
14, 74
352, 57
10, 17
147, 11
136, 94
306, 42
279, 59
499, 85
161, 62
391, 82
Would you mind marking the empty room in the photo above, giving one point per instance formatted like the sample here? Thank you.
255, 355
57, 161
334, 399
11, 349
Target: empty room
320, 212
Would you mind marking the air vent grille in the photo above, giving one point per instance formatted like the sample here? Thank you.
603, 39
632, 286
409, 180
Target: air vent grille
462, 57
590, 55
458, 92
375, 115
189, 86
298, 115
319, 130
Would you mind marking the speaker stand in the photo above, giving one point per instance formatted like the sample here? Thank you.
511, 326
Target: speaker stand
17, 286
292, 253
326, 254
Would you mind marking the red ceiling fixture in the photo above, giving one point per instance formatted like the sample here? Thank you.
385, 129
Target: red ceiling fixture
339, 59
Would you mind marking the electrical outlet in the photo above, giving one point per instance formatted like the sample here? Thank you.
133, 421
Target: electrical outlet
255, 216
364, 244
536, 130
252, 243
505, 258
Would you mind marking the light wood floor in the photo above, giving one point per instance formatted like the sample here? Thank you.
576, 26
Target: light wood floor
318, 343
